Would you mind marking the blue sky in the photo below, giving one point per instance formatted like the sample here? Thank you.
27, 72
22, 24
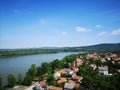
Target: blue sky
41, 23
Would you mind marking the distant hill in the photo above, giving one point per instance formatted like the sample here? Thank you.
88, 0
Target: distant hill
108, 46
43, 50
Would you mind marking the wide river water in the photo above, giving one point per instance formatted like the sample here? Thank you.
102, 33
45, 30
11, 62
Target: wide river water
21, 64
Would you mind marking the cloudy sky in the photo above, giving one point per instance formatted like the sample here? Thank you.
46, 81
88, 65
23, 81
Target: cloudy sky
41, 23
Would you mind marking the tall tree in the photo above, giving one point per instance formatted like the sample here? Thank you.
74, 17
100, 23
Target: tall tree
0, 81
32, 71
11, 80
27, 80
19, 78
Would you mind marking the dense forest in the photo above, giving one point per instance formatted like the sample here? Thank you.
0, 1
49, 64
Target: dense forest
19, 52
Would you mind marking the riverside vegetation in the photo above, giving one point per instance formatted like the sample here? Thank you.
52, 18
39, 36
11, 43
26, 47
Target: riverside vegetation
92, 80
30, 51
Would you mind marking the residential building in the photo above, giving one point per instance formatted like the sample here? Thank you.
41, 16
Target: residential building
103, 70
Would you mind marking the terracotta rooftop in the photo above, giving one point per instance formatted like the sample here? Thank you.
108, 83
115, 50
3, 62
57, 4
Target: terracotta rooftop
71, 81
75, 67
78, 59
43, 83
77, 77
62, 71
55, 88
77, 85
62, 80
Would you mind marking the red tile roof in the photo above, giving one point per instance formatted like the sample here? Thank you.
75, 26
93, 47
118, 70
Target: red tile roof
77, 85
55, 88
76, 77
62, 80
62, 71
43, 83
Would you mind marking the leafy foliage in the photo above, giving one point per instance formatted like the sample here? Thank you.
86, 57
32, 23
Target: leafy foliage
19, 78
27, 80
11, 80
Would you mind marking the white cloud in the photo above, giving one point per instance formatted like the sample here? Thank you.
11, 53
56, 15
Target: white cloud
64, 33
43, 21
102, 33
116, 32
81, 29
99, 26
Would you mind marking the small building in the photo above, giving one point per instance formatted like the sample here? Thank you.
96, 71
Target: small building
78, 62
62, 71
57, 75
69, 86
77, 85
103, 70
40, 86
61, 80
75, 68
103, 60
93, 66
77, 78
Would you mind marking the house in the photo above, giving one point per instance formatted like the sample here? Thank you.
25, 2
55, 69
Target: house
43, 84
68, 72
103, 70
77, 78
40, 86
69, 86
71, 72
61, 80
93, 66
92, 56
77, 85
57, 75
54, 88
113, 55
78, 62
75, 68
103, 60
71, 81
62, 72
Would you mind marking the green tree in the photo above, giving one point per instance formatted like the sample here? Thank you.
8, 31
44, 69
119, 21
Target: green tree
27, 80
1, 87
32, 71
11, 80
55, 64
19, 78
50, 80
0, 81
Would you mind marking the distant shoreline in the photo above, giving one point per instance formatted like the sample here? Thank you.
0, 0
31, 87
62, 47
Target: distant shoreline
46, 50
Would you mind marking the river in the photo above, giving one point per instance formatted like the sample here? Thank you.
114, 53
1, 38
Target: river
21, 64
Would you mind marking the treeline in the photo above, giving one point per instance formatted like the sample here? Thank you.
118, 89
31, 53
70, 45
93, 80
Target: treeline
19, 52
